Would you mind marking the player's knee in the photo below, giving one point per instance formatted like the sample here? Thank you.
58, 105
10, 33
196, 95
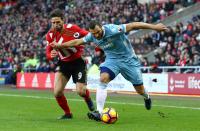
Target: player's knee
81, 89
58, 93
104, 79
81, 92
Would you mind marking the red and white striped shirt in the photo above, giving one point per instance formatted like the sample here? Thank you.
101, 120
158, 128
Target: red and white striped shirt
70, 32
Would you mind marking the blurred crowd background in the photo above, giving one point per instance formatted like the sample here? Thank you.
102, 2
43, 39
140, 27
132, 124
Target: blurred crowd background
24, 23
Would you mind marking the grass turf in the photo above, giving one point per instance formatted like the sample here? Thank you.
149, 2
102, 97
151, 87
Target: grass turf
33, 110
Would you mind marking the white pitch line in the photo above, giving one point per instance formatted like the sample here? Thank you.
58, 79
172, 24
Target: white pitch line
111, 102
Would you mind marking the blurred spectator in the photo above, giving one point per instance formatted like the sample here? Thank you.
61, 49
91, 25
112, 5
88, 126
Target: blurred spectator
24, 24
144, 63
31, 62
196, 59
12, 75
155, 69
180, 45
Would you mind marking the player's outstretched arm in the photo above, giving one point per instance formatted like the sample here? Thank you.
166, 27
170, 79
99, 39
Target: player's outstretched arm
71, 43
142, 25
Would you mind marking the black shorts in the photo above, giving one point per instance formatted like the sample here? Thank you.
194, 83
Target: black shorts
76, 69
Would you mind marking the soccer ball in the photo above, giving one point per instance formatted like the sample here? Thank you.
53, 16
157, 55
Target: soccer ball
109, 115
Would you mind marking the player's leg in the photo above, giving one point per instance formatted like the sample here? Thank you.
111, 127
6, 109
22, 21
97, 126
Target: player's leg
101, 92
79, 76
60, 82
84, 92
61, 78
101, 95
141, 90
131, 71
108, 73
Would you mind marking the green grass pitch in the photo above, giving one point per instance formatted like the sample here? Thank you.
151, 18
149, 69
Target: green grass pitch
33, 110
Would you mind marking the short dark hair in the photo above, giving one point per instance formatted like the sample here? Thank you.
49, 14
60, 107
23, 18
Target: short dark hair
93, 23
57, 13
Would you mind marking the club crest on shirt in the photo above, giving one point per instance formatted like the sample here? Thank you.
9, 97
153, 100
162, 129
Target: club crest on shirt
76, 35
120, 29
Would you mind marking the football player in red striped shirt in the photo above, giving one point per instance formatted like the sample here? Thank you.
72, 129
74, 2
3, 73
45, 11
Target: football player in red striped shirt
70, 61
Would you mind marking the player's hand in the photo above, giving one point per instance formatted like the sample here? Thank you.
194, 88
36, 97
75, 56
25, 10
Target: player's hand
54, 45
54, 53
160, 27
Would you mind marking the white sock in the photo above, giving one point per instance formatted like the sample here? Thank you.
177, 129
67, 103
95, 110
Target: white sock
101, 95
145, 95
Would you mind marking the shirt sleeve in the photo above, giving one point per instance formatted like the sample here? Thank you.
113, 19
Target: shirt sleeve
117, 29
83, 32
79, 31
88, 38
48, 47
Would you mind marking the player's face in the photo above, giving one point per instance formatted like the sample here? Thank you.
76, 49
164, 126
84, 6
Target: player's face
97, 32
57, 23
